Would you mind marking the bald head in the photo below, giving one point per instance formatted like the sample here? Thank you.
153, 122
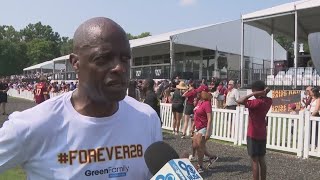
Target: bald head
96, 30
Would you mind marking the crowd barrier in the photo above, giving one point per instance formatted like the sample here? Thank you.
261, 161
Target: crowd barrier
294, 133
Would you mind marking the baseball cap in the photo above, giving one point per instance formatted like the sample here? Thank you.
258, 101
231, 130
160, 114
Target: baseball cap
202, 88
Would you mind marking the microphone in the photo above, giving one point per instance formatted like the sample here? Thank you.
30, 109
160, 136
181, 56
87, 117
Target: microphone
314, 46
164, 163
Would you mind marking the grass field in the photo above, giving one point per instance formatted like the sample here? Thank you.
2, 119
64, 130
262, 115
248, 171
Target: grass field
13, 174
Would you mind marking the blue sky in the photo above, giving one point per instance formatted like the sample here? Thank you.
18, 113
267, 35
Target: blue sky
135, 16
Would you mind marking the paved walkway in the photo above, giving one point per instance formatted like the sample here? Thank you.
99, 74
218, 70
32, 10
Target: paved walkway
233, 161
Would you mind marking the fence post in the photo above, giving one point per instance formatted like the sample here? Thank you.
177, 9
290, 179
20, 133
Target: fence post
300, 133
241, 124
306, 134
236, 126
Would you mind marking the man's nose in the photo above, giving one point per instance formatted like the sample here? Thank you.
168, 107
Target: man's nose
118, 66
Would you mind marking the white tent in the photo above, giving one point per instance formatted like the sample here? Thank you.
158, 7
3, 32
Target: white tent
224, 37
43, 65
280, 18
54, 63
296, 20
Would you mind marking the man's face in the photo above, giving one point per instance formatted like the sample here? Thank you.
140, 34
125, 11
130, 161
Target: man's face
230, 86
104, 67
144, 85
308, 90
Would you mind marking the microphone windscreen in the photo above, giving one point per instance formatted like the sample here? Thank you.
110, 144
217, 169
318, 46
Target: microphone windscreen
158, 154
314, 46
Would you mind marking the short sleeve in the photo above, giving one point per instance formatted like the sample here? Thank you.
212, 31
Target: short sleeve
191, 93
12, 152
236, 95
157, 131
207, 107
251, 104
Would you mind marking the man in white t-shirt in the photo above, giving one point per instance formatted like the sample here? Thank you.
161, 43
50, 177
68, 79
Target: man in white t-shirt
94, 132
232, 96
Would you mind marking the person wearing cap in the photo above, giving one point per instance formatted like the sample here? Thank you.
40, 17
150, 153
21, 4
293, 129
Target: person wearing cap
178, 106
232, 96
203, 127
41, 92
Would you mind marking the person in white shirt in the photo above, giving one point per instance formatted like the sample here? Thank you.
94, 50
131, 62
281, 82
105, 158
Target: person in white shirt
232, 96
94, 132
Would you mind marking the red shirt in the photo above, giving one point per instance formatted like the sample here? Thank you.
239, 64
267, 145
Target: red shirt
258, 109
40, 91
190, 96
200, 114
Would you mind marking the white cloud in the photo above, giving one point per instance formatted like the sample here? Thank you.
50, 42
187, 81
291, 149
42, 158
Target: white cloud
187, 2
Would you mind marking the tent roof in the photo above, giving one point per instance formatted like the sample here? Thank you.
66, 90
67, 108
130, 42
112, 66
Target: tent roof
62, 58
224, 37
161, 38
48, 64
38, 66
280, 9
279, 19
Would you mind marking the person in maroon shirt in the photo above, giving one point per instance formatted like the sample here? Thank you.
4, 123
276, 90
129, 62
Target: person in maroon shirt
190, 95
257, 131
203, 127
41, 91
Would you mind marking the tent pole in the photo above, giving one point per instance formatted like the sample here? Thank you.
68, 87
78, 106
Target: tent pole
272, 53
66, 69
295, 46
54, 70
272, 48
171, 57
131, 63
242, 54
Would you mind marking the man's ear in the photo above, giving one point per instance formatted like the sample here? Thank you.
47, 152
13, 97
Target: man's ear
74, 61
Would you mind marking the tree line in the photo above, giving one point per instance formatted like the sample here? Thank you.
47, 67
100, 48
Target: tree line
32, 45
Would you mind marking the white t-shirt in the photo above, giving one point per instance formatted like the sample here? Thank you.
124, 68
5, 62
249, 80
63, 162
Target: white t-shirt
232, 97
53, 141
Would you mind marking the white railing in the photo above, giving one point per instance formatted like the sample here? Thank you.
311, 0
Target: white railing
311, 140
285, 132
167, 119
25, 94
225, 125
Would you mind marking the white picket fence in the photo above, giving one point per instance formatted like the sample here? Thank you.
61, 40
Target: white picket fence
285, 132
25, 94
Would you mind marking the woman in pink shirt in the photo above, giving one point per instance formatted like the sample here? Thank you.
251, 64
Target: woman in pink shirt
203, 126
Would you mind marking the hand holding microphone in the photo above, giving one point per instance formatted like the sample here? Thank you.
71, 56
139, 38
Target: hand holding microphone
164, 163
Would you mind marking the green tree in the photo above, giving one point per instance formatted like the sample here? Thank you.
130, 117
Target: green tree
40, 50
12, 57
44, 33
66, 46
142, 35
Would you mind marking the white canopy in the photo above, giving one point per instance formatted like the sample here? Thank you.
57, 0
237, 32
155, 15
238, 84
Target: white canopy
38, 66
225, 37
160, 38
280, 19
49, 64
62, 58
